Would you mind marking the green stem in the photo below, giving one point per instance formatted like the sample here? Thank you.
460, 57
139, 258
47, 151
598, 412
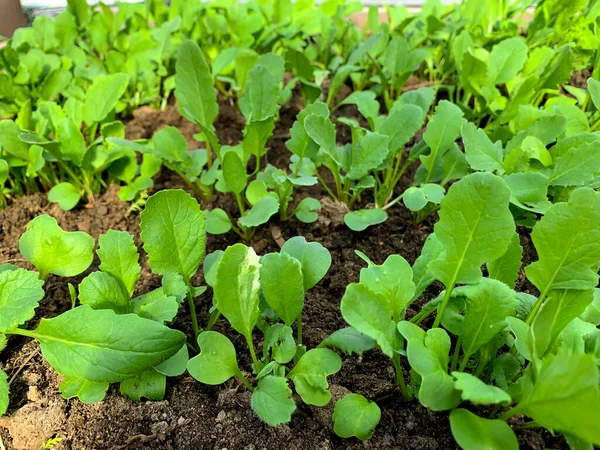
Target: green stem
442, 308
192, 310
214, 317
400, 378
421, 316
257, 364
245, 381
536, 307
240, 203
455, 355
481, 366
510, 413
300, 330
329, 191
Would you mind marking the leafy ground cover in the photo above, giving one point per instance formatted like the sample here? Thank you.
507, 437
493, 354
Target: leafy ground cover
314, 250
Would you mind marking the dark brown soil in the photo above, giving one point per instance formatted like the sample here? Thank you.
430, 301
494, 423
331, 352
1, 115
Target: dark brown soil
192, 415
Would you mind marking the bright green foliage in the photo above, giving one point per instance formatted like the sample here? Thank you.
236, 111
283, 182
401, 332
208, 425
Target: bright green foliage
4, 390
310, 375
20, 293
286, 298
65, 194
216, 362
506, 268
314, 258
272, 400
356, 416
173, 232
473, 432
52, 250
349, 340
477, 392
102, 97
150, 384
480, 152
119, 258
362, 219
86, 391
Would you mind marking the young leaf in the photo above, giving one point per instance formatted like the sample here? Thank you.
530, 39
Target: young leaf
477, 392
176, 364
217, 221
567, 240
119, 258
392, 280
286, 299
369, 152
73, 146
194, 89
169, 145
52, 250
272, 400
102, 97
349, 340
475, 226
370, 314
506, 59
103, 291
481, 153
279, 340
506, 268
594, 90
173, 232
150, 385
4, 391
310, 375
99, 345
315, 259
20, 293
88, 392
577, 167
362, 219
260, 213
422, 276
237, 288
217, 360
356, 416
473, 432
438, 392
65, 194
306, 211
234, 172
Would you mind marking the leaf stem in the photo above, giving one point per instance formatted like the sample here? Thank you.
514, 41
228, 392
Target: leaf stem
510, 413
536, 307
400, 378
455, 355
245, 381
192, 310
442, 307
257, 364
300, 329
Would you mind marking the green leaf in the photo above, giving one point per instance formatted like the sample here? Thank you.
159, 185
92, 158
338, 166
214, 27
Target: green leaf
279, 340
99, 345
217, 221
506, 268
422, 276
260, 213
88, 392
475, 226
176, 365
65, 194
437, 391
477, 392
306, 211
234, 172
311, 372
368, 153
237, 288
370, 314
349, 340
4, 391
102, 96
480, 152
322, 131
393, 281
529, 190
286, 299
414, 198
363, 218
72, 146
150, 385
506, 59
52, 250
211, 264
315, 259
262, 93
474, 433
567, 240
566, 397
173, 232
594, 90
577, 167
20, 293
400, 125
119, 258
103, 291
194, 89
272, 401
10, 142
356, 416
169, 145
442, 131
156, 305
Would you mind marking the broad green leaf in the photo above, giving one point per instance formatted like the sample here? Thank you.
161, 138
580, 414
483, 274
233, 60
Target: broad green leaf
52, 250
262, 93
363, 218
280, 343
306, 211
211, 264
103, 291
20, 293
88, 392
577, 167
260, 213
176, 365
369, 152
488, 304
194, 89
150, 385
315, 259
99, 345
119, 258
529, 190
311, 372
506, 59
566, 397
169, 145
594, 90
370, 314
10, 142
506, 268
480, 152
272, 401
102, 96
237, 288
234, 172
349, 340
400, 125
300, 142
356, 416
173, 232
72, 146
437, 391
392, 280
422, 276
567, 241
559, 309
522, 336
426, 352
442, 131
474, 433
4, 391
217, 221
475, 226
286, 298
322, 131
65, 194
477, 392
414, 198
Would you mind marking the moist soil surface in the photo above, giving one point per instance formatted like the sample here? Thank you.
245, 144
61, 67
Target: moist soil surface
193, 415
